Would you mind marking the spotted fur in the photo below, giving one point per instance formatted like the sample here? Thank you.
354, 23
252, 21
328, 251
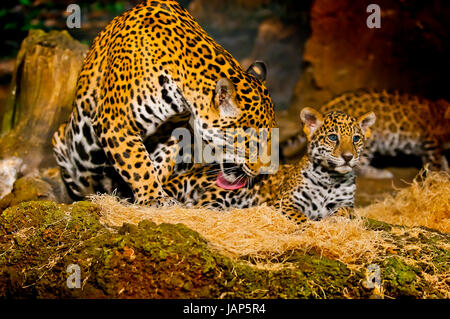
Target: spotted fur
321, 183
153, 65
405, 124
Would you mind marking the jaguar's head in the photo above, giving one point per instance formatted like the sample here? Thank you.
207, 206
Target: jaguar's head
336, 140
239, 122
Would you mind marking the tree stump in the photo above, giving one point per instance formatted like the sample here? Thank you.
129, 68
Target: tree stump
41, 95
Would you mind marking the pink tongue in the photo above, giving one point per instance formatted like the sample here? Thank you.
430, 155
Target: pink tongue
222, 182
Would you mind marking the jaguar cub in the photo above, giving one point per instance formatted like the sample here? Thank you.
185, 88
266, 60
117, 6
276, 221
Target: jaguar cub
405, 124
153, 66
317, 186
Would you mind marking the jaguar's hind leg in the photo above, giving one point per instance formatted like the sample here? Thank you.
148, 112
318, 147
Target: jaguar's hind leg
433, 156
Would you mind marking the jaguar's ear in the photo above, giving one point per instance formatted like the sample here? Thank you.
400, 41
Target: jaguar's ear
258, 69
365, 122
224, 98
312, 120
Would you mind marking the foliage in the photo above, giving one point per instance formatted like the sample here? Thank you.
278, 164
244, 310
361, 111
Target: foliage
18, 17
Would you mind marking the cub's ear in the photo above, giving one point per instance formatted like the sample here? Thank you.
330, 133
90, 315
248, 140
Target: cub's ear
224, 98
258, 69
365, 122
312, 120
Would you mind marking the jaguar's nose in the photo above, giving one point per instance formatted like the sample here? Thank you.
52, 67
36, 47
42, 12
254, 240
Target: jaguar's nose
347, 157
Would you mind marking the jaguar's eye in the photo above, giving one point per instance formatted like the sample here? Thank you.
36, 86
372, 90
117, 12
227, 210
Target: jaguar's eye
356, 138
333, 137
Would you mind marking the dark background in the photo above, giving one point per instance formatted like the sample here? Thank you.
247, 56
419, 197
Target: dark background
314, 49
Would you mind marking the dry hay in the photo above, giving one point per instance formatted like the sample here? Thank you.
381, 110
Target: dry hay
425, 203
263, 233
260, 232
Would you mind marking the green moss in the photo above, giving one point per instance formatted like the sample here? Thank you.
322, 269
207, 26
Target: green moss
40, 239
377, 225
43, 233
311, 277
401, 279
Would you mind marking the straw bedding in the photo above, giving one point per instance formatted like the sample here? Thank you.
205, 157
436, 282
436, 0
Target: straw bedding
259, 232
424, 203
262, 232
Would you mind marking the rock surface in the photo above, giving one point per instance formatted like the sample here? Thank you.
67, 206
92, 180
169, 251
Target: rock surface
409, 52
44, 185
269, 30
39, 240
280, 46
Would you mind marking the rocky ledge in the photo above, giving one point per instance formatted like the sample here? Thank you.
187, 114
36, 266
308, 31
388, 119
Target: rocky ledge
40, 241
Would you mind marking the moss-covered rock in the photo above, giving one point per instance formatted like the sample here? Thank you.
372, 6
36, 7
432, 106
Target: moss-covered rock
26, 189
39, 240
47, 185
401, 278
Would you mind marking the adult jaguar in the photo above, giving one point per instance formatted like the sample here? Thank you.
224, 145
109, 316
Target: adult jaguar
321, 183
153, 66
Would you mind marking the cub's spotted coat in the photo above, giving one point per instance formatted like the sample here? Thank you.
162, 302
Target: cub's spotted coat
317, 186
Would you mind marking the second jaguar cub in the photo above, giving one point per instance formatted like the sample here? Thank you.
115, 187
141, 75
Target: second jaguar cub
317, 186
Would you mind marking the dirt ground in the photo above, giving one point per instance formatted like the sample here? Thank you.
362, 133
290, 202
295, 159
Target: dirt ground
369, 190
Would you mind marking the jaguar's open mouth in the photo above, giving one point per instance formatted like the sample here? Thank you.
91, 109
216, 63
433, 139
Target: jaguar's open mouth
231, 178
221, 181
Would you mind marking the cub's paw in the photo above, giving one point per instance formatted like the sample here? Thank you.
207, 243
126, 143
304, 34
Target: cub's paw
346, 212
159, 202
168, 202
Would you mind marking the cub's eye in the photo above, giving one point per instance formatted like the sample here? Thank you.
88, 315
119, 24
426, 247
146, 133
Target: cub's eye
333, 137
356, 138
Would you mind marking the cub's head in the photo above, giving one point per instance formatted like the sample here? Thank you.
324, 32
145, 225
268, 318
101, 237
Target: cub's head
240, 112
336, 140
